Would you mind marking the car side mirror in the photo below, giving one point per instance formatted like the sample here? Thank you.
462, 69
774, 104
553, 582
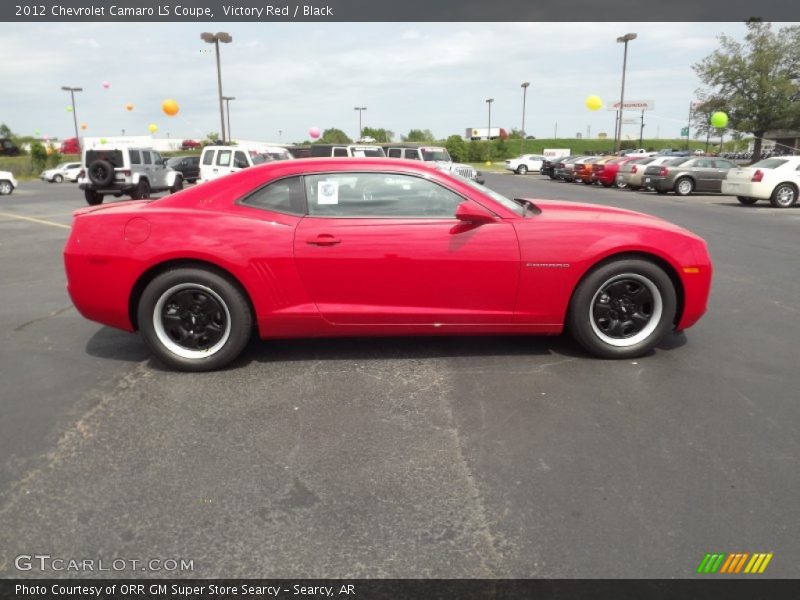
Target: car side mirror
471, 213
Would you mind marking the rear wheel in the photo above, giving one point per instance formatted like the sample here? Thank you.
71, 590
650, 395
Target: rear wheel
746, 200
93, 198
142, 190
522, 170
684, 186
621, 185
622, 309
784, 196
194, 319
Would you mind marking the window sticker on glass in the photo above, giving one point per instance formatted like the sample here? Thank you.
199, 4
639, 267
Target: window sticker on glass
328, 192
359, 153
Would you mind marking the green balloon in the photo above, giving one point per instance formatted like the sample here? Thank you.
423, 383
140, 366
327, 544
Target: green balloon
719, 120
69, 109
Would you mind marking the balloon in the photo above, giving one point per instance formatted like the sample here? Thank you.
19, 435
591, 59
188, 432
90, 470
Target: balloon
102, 140
129, 107
84, 126
170, 107
152, 127
314, 132
594, 103
69, 109
106, 85
37, 133
46, 137
488, 163
719, 120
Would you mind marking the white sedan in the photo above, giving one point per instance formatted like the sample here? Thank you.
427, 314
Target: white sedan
68, 171
7, 183
527, 162
775, 179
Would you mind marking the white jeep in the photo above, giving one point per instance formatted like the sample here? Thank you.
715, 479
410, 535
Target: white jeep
7, 182
124, 170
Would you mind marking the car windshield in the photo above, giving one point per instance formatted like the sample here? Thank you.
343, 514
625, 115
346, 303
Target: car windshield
769, 163
499, 198
260, 159
437, 154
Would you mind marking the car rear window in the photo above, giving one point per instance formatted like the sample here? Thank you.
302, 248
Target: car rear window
136, 158
769, 163
112, 156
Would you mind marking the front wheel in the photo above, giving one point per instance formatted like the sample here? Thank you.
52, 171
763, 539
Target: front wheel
622, 309
746, 200
621, 185
6, 188
58, 178
784, 196
177, 186
194, 319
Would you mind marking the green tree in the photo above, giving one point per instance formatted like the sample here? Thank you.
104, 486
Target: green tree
334, 136
756, 82
514, 134
212, 138
457, 148
419, 135
381, 135
38, 156
5, 131
477, 151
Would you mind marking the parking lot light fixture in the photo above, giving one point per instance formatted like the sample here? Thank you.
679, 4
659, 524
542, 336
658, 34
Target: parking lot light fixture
228, 113
360, 110
216, 38
624, 39
489, 130
72, 91
524, 87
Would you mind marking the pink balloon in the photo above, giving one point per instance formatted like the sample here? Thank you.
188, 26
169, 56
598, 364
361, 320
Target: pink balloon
106, 85
314, 132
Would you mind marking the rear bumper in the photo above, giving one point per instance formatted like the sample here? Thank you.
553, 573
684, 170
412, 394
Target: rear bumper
747, 189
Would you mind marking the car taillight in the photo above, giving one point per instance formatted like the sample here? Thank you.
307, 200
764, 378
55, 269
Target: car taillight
663, 172
560, 166
634, 169
757, 176
126, 172
82, 173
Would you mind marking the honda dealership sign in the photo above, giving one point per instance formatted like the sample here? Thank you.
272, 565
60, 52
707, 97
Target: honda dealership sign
634, 105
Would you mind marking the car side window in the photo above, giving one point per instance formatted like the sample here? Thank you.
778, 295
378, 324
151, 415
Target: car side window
724, 164
703, 163
340, 151
136, 157
208, 157
284, 196
378, 195
156, 158
224, 158
240, 160
146, 157
395, 153
412, 154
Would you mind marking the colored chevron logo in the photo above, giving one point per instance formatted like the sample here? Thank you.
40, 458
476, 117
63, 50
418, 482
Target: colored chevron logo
734, 563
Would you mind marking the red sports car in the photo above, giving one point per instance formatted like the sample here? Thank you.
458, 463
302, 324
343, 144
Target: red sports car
344, 247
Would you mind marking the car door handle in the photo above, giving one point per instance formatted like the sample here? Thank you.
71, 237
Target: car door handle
323, 239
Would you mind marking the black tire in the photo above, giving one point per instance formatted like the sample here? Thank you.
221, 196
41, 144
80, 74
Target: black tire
635, 287
684, 186
522, 170
176, 302
5, 187
784, 195
93, 198
746, 200
661, 192
177, 186
142, 190
606, 185
101, 172
58, 178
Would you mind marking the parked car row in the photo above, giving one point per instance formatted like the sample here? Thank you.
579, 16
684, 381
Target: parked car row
775, 179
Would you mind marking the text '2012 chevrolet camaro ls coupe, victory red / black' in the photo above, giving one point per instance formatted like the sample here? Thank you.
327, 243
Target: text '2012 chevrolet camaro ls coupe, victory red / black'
343, 247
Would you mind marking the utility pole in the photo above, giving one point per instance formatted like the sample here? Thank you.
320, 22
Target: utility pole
641, 131
622, 40
524, 95
72, 91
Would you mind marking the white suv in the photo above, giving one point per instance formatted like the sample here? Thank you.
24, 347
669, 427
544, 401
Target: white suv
436, 154
68, 171
217, 161
131, 171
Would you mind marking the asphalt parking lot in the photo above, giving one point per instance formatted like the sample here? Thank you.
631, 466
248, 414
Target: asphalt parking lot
447, 457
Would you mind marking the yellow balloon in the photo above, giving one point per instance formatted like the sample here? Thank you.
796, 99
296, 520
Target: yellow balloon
152, 127
488, 163
594, 103
170, 107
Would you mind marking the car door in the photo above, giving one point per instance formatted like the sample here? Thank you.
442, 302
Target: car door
705, 175
147, 166
160, 171
721, 169
385, 248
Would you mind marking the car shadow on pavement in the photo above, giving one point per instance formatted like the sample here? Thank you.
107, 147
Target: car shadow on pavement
114, 344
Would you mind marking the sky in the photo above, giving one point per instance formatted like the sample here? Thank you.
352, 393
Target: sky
289, 77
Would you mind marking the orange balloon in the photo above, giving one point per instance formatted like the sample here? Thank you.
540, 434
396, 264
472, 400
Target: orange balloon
129, 107
170, 107
84, 126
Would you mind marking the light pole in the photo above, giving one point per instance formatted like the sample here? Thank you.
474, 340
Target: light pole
360, 109
618, 134
216, 38
228, 112
489, 131
524, 87
72, 91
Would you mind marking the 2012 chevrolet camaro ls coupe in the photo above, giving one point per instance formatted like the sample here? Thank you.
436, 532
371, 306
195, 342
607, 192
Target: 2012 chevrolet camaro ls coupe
336, 247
